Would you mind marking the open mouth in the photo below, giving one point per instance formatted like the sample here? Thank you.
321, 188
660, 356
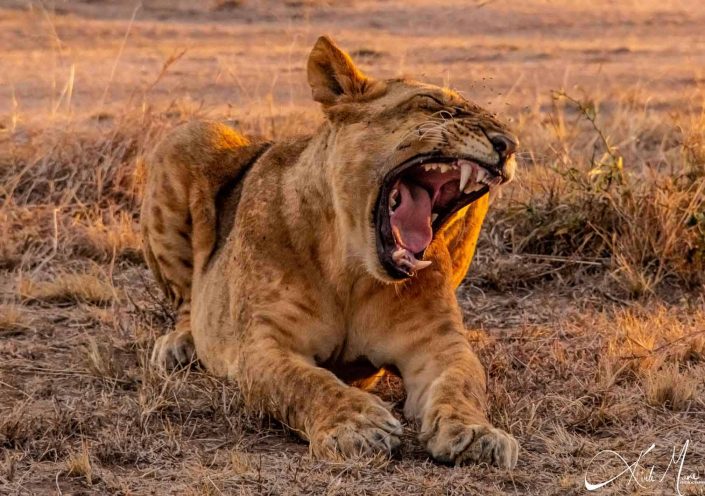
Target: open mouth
417, 198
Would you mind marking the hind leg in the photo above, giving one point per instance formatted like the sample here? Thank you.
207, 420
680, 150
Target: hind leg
166, 233
184, 174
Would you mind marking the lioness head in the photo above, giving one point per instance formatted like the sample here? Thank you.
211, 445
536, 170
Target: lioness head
402, 157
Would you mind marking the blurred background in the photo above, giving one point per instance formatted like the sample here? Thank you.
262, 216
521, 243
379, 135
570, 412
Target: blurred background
233, 56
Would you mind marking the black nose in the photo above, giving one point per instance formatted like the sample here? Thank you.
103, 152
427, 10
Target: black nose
503, 145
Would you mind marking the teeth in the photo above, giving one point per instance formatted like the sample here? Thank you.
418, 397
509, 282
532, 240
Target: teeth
471, 188
422, 264
434, 217
393, 198
440, 167
481, 174
465, 172
406, 259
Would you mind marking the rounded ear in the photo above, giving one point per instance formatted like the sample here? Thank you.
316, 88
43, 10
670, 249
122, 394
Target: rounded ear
333, 76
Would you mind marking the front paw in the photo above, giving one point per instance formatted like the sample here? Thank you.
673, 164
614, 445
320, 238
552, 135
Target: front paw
173, 350
358, 427
454, 442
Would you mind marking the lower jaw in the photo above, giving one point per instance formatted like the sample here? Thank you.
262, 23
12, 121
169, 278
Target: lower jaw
385, 255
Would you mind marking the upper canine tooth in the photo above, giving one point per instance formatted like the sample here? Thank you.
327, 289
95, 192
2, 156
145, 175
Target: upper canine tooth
465, 172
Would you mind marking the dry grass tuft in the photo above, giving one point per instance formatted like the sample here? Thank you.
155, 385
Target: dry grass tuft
70, 288
80, 465
642, 340
670, 388
102, 360
14, 320
240, 462
69, 166
115, 236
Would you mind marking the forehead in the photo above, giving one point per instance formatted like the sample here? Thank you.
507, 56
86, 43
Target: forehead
402, 89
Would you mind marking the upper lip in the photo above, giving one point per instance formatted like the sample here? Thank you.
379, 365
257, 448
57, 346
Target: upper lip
384, 236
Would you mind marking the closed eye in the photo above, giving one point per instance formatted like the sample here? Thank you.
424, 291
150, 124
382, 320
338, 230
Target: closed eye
421, 101
430, 102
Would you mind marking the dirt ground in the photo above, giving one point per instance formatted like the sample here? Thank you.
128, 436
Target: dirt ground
585, 350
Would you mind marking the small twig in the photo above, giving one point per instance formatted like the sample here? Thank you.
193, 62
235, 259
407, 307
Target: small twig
64, 373
56, 481
591, 116
165, 67
556, 258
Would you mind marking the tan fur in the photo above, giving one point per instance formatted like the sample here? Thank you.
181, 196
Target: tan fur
268, 253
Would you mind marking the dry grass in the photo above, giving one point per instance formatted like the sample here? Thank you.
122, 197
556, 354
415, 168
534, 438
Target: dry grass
635, 214
110, 237
585, 299
670, 388
14, 320
79, 465
69, 288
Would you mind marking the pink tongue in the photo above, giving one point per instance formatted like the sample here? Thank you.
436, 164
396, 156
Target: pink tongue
411, 221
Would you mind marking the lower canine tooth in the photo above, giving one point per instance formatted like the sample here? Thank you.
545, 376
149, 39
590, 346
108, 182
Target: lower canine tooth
421, 264
434, 217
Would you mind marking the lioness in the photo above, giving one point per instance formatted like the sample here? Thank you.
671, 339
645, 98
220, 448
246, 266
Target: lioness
300, 267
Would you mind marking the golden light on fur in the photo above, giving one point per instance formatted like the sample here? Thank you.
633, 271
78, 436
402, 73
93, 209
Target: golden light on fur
277, 258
